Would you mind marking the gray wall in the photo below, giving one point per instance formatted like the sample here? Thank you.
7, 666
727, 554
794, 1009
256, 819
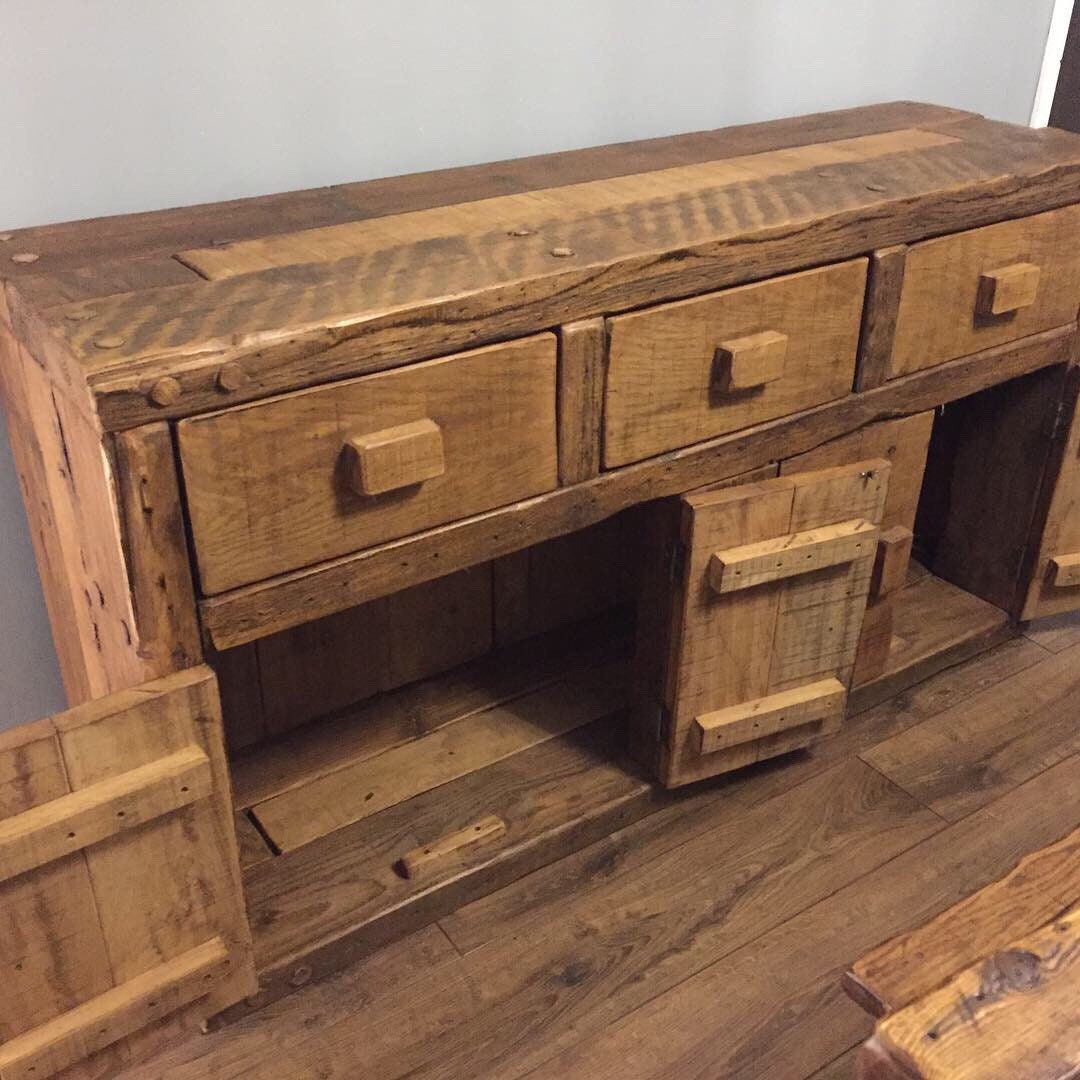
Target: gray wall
119, 105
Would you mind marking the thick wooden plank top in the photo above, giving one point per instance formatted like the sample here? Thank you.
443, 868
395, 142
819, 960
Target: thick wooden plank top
302, 288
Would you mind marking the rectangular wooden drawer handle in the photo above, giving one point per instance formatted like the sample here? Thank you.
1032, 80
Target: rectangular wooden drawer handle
1008, 288
395, 457
797, 553
449, 850
746, 362
891, 561
1066, 569
753, 720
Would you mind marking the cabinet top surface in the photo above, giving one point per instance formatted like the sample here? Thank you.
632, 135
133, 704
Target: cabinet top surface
299, 288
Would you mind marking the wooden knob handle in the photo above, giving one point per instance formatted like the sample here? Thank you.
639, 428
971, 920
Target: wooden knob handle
746, 362
1008, 288
396, 457
1066, 570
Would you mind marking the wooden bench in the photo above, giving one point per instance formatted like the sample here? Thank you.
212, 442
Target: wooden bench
988, 988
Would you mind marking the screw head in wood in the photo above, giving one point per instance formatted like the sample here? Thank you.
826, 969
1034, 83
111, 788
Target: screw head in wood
301, 976
231, 377
562, 252
25, 257
165, 391
108, 341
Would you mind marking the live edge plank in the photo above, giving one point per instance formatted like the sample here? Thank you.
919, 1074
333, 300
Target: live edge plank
248, 613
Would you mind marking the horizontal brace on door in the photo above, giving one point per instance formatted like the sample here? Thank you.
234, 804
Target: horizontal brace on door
796, 553
72, 1036
72, 822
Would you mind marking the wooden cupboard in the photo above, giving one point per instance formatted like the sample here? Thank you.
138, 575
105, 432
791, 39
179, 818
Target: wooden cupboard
388, 530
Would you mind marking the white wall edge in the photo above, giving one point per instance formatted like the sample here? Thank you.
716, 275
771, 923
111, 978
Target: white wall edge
1051, 64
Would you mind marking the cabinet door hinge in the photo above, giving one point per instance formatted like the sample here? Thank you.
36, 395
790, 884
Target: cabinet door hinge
1060, 425
676, 561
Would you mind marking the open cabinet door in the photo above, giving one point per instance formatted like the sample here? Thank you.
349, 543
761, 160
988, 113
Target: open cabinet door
122, 922
768, 589
1055, 575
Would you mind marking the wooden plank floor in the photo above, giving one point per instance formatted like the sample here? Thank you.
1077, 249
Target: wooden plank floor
707, 939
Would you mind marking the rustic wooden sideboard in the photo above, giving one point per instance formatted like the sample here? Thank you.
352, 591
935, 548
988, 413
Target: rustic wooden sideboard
399, 537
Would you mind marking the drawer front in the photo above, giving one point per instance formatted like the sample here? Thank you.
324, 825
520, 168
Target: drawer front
695, 369
281, 484
981, 288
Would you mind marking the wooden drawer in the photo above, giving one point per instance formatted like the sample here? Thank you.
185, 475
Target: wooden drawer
695, 369
981, 288
281, 484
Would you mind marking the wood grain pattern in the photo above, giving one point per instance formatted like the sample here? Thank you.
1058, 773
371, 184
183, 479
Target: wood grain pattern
900, 971
754, 564
396, 457
447, 851
582, 363
1007, 289
939, 315
121, 1011
885, 280
1012, 1014
358, 790
254, 514
356, 316
72, 822
780, 635
248, 613
666, 389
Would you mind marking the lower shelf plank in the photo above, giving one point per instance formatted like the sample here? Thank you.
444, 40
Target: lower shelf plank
554, 798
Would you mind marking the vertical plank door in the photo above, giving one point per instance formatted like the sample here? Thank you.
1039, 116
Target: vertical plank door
123, 921
768, 590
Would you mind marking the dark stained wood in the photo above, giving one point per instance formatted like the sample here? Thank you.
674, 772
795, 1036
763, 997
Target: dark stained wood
253, 611
884, 282
983, 747
988, 456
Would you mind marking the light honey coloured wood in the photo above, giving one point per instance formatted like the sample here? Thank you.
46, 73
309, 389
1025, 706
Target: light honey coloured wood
1012, 1014
810, 704
891, 561
1007, 289
248, 613
749, 362
785, 556
79, 1034
941, 315
127, 901
1066, 570
940, 177
255, 514
669, 385
727, 651
72, 822
395, 457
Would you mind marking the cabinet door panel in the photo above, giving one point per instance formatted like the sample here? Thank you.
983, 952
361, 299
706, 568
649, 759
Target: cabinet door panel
119, 879
759, 670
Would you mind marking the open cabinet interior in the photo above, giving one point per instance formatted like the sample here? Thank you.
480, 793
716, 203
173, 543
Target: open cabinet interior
396, 760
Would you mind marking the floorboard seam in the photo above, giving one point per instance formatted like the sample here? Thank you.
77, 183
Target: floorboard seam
903, 790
